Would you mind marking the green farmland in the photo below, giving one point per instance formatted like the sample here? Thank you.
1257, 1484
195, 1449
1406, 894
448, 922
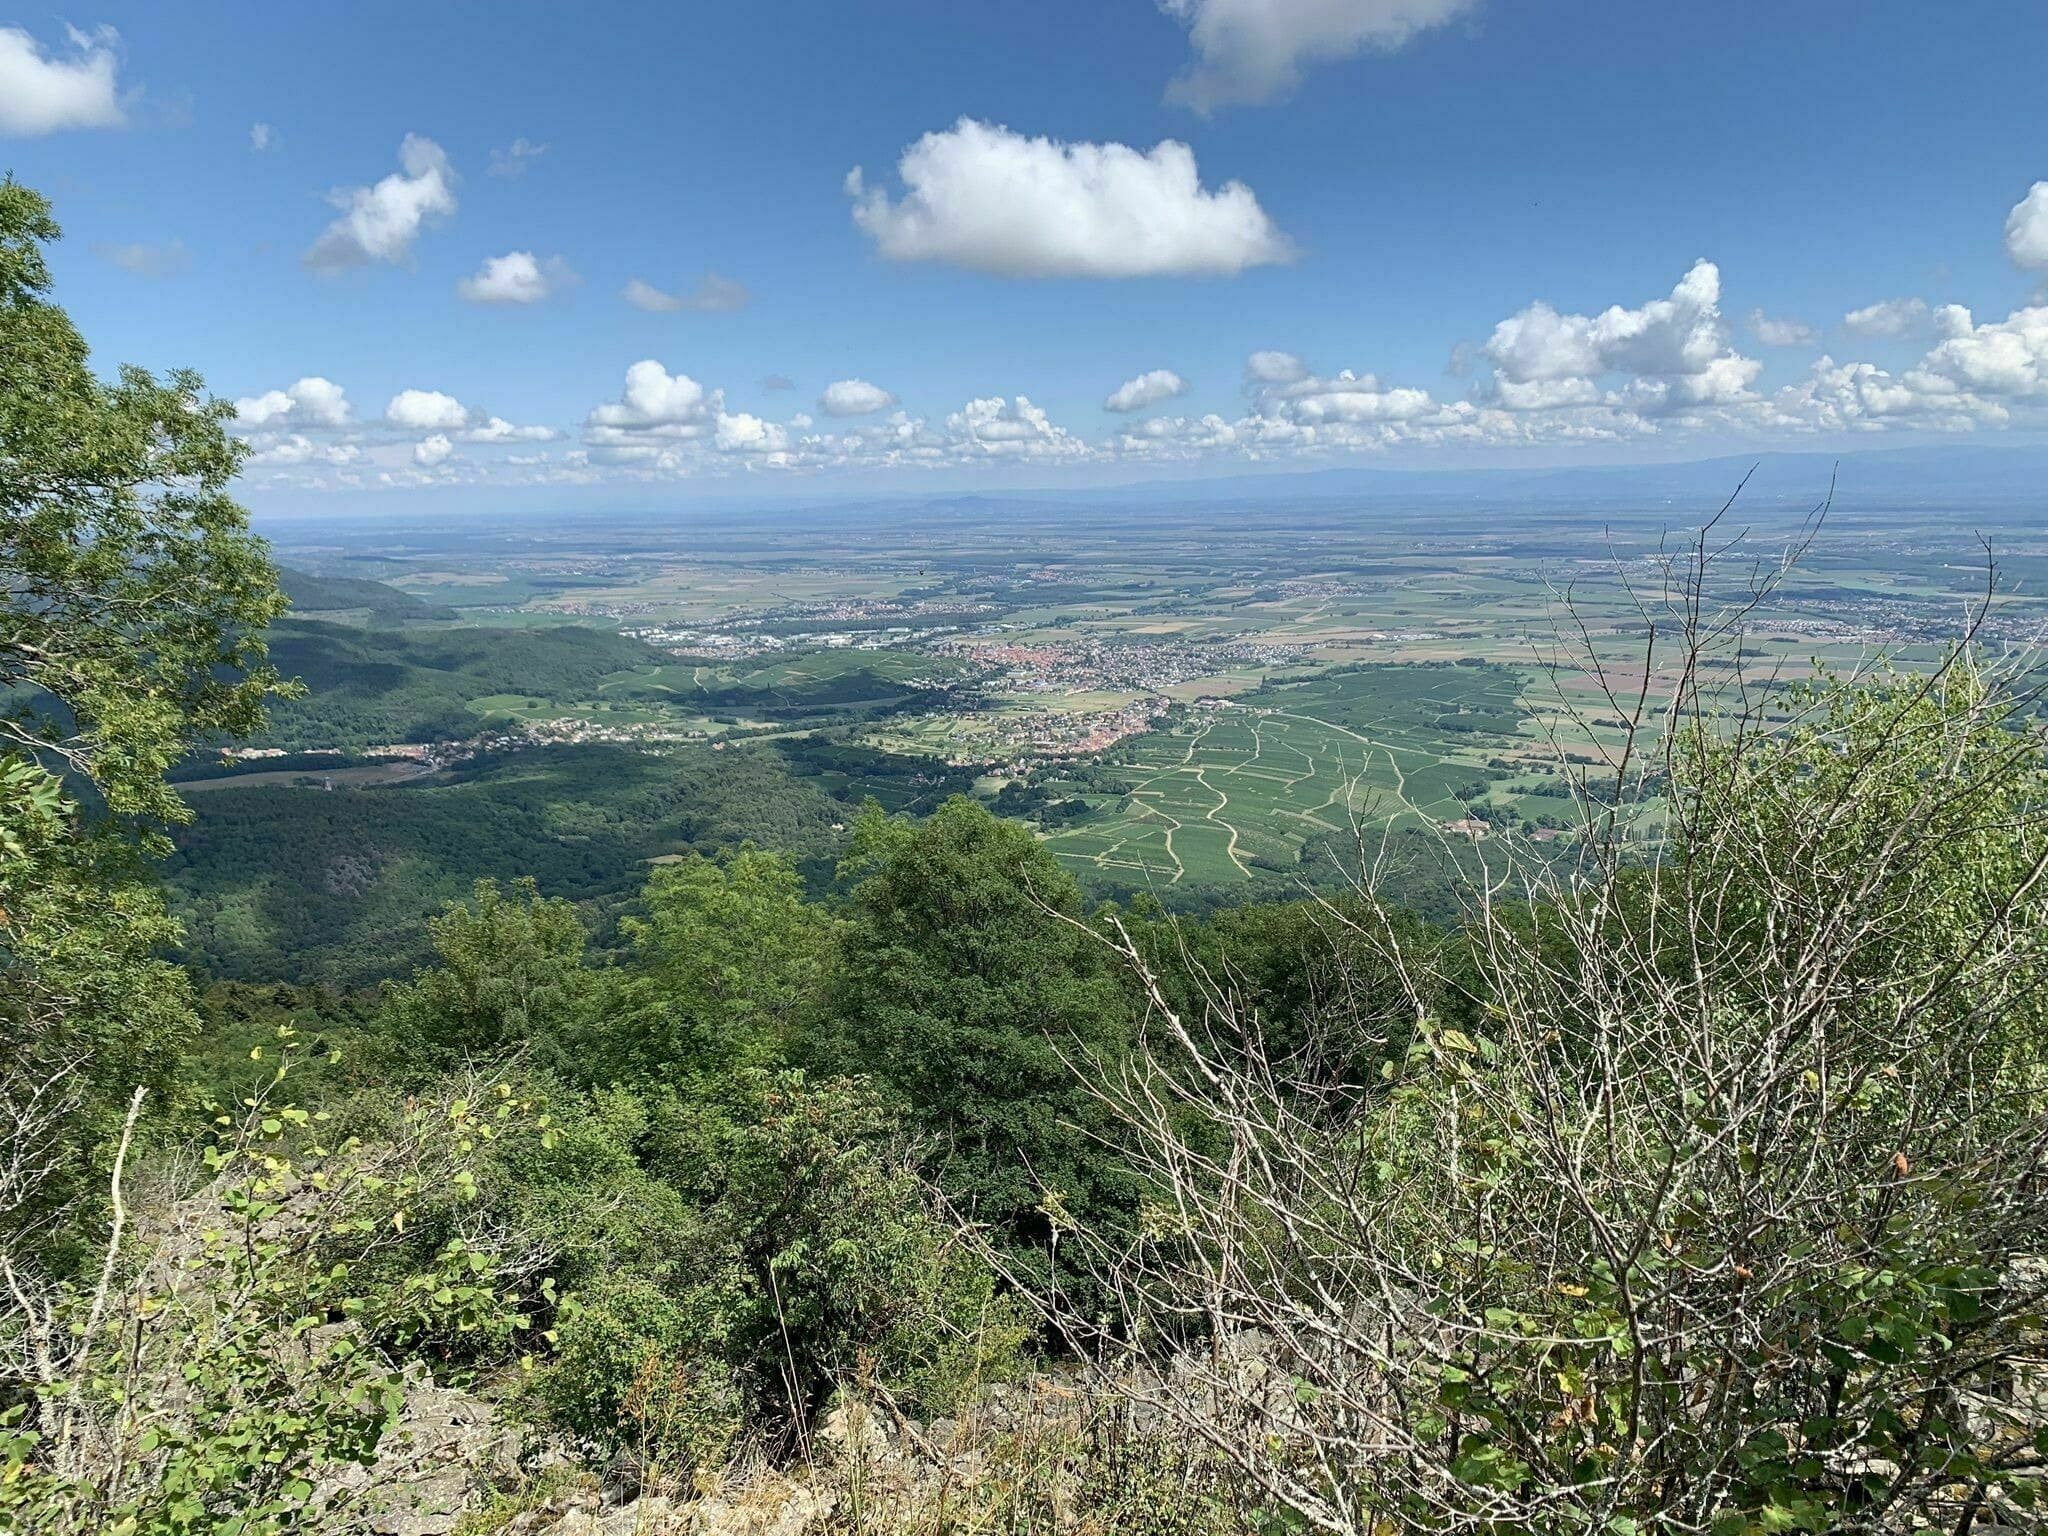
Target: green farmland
1232, 788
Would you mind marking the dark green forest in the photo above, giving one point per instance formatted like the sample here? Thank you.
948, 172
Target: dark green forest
370, 685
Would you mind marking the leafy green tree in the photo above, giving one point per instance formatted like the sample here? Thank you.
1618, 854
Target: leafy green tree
132, 604
804, 1255
968, 985
725, 961
511, 973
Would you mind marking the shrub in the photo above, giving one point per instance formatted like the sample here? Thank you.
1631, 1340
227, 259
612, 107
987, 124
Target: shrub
222, 1367
630, 1372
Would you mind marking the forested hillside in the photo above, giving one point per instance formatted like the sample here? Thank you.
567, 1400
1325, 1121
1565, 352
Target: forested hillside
370, 685
850, 1170
310, 594
280, 882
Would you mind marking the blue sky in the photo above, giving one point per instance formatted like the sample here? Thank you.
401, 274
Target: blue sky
1464, 232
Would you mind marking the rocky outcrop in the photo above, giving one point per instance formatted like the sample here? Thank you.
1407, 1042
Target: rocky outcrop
447, 1454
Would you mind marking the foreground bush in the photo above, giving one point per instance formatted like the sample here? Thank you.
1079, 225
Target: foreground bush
815, 1261
220, 1368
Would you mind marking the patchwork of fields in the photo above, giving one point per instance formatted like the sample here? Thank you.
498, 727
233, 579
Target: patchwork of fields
1246, 784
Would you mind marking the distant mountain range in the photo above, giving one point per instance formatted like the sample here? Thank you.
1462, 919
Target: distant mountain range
1891, 477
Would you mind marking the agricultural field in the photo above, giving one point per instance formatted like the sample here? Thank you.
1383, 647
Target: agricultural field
1236, 786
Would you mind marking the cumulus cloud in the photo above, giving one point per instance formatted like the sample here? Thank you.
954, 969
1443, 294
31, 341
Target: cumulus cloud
1253, 50
712, 295
1011, 429
742, 433
261, 137
1887, 317
1146, 389
514, 158
295, 448
2006, 357
2026, 229
655, 408
1177, 437
311, 402
1675, 351
517, 277
426, 410
432, 450
1286, 394
380, 223
144, 259
496, 429
1974, 375
43, 92
983, 197
1862, 397
1781, 332
854, 397
654, 397
1271, 367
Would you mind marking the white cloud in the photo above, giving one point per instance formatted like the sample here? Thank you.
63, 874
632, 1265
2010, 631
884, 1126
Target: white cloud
311, 402
1887, 317
981, 196
1676, 350
380, 223
1146, 389
497, 429
1666, 367
517, 277
1274, 368
1295, 406
1010, 429
1354, 398
854, 397
1177, 437
262, 137
1862, 397
1975, 375
1781, 332
297, 448
44, 92
741, 433
2006, 357
513, 159
656, 407
146, 260
712, 295
1253, 50
2026, 229
426, 410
